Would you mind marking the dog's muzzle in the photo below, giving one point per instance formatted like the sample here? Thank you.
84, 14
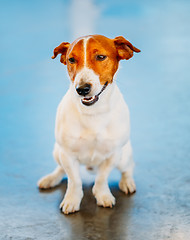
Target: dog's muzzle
88, 101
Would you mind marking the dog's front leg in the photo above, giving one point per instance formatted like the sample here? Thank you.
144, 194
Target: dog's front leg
101, 189
74, 193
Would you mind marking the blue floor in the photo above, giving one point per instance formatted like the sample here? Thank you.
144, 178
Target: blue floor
156, 86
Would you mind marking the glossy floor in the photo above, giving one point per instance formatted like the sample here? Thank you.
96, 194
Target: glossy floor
156, 86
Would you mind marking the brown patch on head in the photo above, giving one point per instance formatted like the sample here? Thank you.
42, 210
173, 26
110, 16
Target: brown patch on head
99, 45
76, 51
71, 51
102, 55
113, 49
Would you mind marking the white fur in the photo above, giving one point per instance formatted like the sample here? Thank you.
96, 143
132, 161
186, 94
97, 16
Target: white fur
96, 135
87, 75
85, 40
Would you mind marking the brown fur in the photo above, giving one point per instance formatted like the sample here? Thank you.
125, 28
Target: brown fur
115, 49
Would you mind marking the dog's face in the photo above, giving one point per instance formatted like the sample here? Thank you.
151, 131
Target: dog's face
92, 62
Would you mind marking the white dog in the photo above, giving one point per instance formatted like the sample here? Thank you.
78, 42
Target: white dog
92, 122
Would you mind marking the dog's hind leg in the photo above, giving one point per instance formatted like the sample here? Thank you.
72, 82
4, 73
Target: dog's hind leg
54, 178
126, 166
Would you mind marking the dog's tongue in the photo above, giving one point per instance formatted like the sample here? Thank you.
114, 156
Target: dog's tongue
88, 101
87, 98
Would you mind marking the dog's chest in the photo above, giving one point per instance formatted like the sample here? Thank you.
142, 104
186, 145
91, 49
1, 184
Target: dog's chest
93, 143
92, 138
89, 144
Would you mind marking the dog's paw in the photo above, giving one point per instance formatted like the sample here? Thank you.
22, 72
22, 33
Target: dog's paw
104, 198
48, 181
127, 185
71, 203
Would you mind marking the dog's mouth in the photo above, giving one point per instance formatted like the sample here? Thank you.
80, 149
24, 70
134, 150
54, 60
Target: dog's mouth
88, 101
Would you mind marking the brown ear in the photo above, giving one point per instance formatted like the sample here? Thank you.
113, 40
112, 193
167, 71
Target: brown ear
124, 48
61, 49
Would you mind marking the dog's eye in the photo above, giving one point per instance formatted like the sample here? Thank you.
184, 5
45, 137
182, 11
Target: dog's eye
72, 60
101, 57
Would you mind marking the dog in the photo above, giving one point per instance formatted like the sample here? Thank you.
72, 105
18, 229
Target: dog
92, 121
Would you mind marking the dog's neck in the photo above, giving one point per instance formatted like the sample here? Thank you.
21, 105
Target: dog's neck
103, 105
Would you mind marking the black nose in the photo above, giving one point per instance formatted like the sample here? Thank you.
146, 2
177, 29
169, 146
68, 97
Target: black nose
84, 89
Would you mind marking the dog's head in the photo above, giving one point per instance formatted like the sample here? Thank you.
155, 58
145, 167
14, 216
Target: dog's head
92, 62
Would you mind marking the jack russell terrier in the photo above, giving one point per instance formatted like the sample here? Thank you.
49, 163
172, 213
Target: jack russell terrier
92, 122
